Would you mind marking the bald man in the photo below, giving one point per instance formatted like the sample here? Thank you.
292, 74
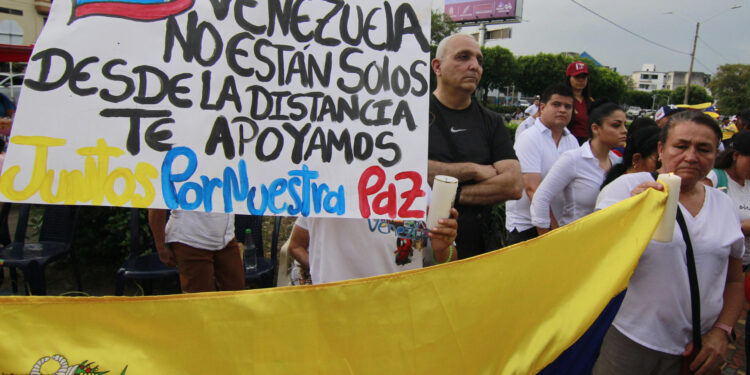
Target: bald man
469, 142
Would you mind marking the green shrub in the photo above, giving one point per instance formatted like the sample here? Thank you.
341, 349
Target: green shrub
103, 235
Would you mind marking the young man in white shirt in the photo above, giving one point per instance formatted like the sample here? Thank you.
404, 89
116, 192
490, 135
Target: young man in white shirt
537, 149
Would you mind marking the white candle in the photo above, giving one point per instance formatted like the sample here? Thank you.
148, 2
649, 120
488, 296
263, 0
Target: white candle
665, 230
441, 201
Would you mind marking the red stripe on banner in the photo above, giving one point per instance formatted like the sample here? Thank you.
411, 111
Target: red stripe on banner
144, 12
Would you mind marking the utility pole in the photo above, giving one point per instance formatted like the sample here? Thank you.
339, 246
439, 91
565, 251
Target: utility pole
692, 59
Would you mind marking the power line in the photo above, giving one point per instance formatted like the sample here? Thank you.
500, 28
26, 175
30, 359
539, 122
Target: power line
702, 64
628, 31
713, 50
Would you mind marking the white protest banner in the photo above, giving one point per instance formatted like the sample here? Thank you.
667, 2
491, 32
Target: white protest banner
278, 107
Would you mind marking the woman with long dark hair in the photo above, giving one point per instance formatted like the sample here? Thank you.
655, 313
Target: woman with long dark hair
579, 173
640, 153
577, 78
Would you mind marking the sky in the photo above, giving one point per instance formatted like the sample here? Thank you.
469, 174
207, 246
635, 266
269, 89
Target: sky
554, 26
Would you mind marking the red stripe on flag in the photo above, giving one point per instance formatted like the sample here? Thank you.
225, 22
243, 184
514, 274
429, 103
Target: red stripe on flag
144, 12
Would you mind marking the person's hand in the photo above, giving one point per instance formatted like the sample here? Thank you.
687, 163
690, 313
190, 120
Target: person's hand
712, 355
166, 255
483, 172
640, 188
445, 233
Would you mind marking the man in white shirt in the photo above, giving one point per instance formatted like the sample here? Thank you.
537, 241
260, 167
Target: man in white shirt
537, 149
532, 109
525, 125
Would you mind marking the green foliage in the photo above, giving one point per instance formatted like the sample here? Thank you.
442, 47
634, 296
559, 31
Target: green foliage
442, 27
499, 69
503, 108
539, 71
638, 98
731, 85
606, 84
662, 97
103, 234
698, 95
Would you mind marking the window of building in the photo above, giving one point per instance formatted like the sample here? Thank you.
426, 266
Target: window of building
14, 12
10, 32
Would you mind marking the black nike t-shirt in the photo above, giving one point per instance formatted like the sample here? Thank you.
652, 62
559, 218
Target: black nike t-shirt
474, 134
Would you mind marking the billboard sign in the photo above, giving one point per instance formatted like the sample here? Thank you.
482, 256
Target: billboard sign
483, 10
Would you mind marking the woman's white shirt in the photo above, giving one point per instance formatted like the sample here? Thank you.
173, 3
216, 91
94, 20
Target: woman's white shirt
577, 175
656, 310
741, 196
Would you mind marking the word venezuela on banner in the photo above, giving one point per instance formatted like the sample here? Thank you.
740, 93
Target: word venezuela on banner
277, 107
483, 315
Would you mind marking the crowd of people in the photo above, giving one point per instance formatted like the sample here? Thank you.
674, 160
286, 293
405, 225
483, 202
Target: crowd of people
572, 155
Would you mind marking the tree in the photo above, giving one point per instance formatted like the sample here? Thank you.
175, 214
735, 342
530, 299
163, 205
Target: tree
731, 86
606, 84
442, 27
662, 97
698, 95
539, 71
499, 69
638, 98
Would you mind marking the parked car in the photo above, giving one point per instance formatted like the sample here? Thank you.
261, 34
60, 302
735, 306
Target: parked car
10, 86
633, 112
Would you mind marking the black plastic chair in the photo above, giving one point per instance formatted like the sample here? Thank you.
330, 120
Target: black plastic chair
265, 273
139, 266
55, 241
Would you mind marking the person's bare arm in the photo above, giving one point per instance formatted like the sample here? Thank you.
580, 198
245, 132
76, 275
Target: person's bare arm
461, 171
157, 221
443, 236
299, 241
713, 354
745, 225
531, 182
506, 185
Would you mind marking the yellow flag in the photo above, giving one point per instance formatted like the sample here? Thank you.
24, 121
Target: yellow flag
511, 311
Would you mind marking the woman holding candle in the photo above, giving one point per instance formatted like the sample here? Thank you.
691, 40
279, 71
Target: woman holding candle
578, 174
652, 331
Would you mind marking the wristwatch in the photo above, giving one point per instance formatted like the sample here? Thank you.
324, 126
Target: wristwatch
728, 330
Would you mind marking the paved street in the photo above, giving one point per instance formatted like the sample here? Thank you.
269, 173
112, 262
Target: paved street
736, 362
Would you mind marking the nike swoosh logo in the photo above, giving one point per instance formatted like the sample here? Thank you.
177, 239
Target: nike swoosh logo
454, 130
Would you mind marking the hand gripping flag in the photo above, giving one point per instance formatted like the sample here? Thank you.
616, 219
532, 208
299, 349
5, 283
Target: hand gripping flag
139, 10
511, 311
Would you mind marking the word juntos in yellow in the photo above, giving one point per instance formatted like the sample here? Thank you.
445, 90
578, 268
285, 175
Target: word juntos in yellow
92, 185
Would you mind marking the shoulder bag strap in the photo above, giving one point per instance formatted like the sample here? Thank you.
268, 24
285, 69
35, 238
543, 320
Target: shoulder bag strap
695, 299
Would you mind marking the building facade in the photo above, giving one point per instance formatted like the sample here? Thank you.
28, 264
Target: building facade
648, 79
21, 21
674, 80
